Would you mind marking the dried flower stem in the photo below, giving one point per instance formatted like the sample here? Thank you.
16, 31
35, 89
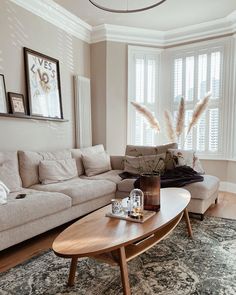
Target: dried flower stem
180, 118
170, 126
146, 113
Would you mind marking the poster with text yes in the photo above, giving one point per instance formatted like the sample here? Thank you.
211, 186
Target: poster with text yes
43, 85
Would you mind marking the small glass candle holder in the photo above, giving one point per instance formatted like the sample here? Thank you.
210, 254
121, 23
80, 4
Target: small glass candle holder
136, 199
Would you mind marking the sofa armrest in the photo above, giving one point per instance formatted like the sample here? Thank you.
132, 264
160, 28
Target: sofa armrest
117, 162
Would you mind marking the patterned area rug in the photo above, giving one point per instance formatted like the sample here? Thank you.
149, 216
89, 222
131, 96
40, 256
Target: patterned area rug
178, 265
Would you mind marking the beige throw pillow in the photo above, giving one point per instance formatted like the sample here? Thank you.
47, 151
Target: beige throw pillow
178, 157
29, 164
55, 171
9, 171
96, 163
144, 164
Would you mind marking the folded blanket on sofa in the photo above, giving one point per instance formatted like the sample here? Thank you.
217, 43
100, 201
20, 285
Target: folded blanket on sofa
4, 191
176, 177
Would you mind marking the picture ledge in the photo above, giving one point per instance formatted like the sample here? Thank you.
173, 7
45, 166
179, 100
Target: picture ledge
32, 117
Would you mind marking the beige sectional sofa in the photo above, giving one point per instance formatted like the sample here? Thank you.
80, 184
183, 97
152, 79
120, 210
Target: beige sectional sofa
49, 205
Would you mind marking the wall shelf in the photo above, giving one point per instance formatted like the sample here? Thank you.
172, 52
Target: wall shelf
32, 117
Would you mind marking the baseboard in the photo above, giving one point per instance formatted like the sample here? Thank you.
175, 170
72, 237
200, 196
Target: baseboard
229, 187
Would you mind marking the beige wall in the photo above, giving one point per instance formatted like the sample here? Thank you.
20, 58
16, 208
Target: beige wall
98, 92
20, 28
116, 94
109, 95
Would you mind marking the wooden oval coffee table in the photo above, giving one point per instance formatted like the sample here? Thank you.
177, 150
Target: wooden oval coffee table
118, 241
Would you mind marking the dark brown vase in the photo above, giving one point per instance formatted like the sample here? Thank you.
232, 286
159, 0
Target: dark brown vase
150, 185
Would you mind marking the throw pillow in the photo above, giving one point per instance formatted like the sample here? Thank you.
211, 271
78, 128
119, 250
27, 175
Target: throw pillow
178, 157
9, 171
4, 191
96, 163
144, 164
52, 171
137, 150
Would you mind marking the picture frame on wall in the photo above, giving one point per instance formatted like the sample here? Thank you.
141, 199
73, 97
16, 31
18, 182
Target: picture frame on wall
3, 96
17, 103
43, 84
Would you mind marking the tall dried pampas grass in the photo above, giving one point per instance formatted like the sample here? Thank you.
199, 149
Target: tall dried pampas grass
198, 111
170, 126
180, 118
146, 113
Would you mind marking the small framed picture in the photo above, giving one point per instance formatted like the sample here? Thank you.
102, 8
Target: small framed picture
3, 96
17, 103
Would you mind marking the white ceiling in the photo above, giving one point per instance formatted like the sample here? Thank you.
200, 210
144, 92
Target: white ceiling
170, 15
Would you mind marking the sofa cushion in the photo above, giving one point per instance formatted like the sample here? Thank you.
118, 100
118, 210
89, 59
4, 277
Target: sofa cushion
203, 190
126, 185
112, 175
57, 170
80, 190
135, 150
180, 157
144, 164
91, 150
34, 206
199, 190
77, 155
96, 163
29, 164
9, 171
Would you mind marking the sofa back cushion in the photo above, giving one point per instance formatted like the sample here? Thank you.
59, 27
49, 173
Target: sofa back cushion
95, 160
144, 164
29, 164
9, 171
77, 155
136, 150
52, 171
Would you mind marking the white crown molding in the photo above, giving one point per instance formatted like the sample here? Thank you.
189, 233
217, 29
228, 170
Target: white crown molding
219, 27
58, 16
228, 187
62, 18
125, 34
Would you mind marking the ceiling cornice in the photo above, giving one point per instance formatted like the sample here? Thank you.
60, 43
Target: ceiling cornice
58, 16
219, 27
62, 18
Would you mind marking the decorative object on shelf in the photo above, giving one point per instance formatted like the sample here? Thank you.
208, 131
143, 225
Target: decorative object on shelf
126, 4
17, 103
43, 84
3, 96
150, 185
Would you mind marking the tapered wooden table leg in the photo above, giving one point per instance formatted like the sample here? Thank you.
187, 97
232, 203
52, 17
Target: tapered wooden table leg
124, 272
73, 267
189, 228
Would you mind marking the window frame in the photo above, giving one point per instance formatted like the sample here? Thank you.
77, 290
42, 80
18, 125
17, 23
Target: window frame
133, 51
196, 50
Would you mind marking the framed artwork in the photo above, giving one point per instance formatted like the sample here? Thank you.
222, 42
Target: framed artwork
43, 84
17, 103
3, 96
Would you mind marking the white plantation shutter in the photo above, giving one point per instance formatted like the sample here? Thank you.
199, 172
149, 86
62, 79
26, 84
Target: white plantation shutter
213, 129
142, 88
194, 75
189, 78
178, 78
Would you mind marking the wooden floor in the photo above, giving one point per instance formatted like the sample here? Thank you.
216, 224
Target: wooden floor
9, 258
